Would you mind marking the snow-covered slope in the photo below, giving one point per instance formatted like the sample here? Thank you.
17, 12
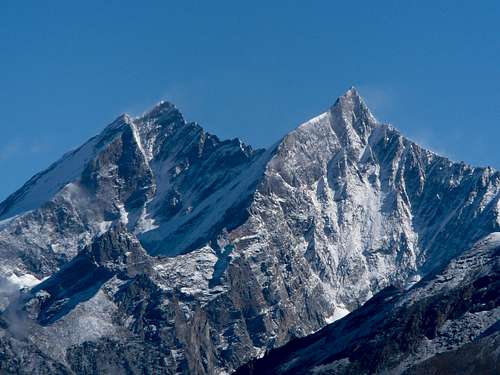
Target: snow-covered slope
364, 207
449, 323
245, 249
157, 174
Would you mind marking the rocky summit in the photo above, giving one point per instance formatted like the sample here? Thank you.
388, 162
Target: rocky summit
157, 248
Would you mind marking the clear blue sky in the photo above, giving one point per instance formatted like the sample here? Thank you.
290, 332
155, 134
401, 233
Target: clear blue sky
247, 69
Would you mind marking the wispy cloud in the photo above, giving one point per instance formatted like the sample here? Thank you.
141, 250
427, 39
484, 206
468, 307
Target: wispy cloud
386, 103
181, 95
381, 99
16, 148
9, 150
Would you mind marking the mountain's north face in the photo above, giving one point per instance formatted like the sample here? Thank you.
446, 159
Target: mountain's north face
156, 248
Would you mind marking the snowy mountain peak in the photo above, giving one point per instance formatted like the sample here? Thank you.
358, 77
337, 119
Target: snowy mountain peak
351, 119
352, 92
163, 112
352, 103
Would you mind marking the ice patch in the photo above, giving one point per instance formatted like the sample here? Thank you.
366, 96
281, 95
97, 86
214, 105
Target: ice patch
338, 313
123, 214
24, 281
103, 227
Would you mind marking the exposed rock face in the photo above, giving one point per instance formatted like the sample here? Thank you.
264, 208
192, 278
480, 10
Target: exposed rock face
446, 324
187, 254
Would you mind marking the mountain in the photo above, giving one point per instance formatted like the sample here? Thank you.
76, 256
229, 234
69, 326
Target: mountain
158, 248
139, 172
448, 323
